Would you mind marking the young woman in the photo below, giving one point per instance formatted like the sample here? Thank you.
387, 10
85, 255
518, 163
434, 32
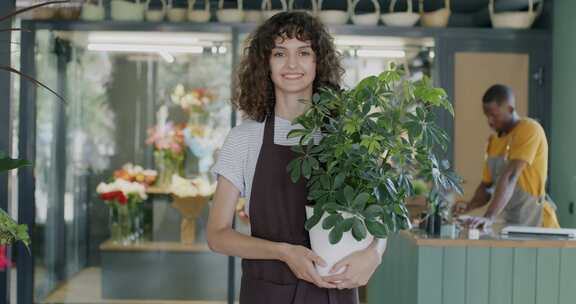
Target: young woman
288, 58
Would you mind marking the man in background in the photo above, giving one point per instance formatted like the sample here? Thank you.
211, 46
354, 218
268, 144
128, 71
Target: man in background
515, 169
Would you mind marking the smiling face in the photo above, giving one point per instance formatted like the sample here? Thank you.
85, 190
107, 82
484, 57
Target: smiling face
293, 66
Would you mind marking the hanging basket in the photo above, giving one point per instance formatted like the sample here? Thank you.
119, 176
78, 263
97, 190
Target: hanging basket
367, 18
402, 19
199, 16
515, 20
155, 15
333, 17
92, 12
437, 18
230, 15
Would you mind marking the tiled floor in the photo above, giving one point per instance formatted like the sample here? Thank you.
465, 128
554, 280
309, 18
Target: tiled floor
85, 288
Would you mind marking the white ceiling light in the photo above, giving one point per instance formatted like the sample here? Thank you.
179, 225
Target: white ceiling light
142, 38
381, 53
167, 56
144, 48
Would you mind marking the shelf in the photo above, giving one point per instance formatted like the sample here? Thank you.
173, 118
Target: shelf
155, 246
348, 29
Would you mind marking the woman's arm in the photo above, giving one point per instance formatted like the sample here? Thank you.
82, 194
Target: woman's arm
223, 239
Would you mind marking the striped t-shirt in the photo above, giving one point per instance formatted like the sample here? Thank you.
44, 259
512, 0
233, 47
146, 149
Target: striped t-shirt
238, 156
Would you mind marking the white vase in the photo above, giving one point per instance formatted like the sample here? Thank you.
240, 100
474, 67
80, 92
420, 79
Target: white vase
332, 254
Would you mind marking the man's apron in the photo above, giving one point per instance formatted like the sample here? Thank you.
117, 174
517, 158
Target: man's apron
523, 209
277, 213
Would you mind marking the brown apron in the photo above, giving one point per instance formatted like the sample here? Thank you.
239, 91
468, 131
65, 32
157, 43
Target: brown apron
277, 214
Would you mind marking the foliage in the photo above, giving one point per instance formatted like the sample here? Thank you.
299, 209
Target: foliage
377, 138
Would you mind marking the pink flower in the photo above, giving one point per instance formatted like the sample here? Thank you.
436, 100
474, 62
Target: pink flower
4, 261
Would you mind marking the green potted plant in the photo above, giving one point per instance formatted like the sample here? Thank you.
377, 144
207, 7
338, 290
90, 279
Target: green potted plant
377, 138
10, 230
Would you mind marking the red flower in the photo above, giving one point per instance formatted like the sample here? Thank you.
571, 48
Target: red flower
114, 195
4, 262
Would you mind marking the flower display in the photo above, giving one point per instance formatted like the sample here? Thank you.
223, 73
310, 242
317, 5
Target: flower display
199, 186
132, 173
122, 190
193, 100
167, 137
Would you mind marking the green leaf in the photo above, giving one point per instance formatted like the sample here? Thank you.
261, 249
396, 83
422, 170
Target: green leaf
295, 173
332, 220
332, 207
306, 168
7, 163
313, 220
296, 133
376, 229
349, 194
335, 235
339, 180
347, 224
325, 181
358, 230
373, 211
360, 200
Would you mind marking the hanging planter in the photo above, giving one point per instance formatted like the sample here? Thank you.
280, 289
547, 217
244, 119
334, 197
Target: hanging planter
230, 15
402, 19
123, 10
437, 18
312, 12
92, 12
176, 14
332, 16
155, 14
515, 20
366, 18
198, 15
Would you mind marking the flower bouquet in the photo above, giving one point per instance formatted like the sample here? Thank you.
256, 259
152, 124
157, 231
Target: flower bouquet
168, 141
123, 199
190, 198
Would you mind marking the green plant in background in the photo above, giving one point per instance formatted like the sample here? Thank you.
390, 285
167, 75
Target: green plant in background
10, 231
377, 139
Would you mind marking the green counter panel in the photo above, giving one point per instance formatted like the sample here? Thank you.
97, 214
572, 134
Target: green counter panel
414, 274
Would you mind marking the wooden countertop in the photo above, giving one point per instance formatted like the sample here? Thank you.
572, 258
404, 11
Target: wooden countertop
155, 246
423, 240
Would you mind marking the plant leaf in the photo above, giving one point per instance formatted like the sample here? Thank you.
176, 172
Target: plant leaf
376, 229
332, 220
336, 234
360, 201
358, 230
7, 163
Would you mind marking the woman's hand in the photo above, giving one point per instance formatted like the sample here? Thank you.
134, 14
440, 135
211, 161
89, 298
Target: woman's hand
301, 261
358, 268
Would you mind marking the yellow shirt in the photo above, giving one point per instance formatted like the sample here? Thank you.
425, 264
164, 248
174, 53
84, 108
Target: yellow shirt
527, 142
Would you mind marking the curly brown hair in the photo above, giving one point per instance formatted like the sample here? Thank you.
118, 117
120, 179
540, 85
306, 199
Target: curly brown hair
253, 87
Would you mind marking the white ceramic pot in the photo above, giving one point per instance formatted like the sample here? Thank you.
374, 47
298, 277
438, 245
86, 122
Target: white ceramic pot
437, 18
313, 12
268, 11
199, 15
332, 254
155, 15
333, 17
404, 19
515, 20
367, 18
92, 12
127, 11
230, 15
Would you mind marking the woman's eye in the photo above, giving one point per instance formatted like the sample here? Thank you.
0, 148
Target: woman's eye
305, 53
279, 54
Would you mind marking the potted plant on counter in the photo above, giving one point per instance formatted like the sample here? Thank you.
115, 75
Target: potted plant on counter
377, 138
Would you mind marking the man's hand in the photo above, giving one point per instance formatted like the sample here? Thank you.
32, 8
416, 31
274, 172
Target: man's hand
477, 222
460, 207
358, 268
